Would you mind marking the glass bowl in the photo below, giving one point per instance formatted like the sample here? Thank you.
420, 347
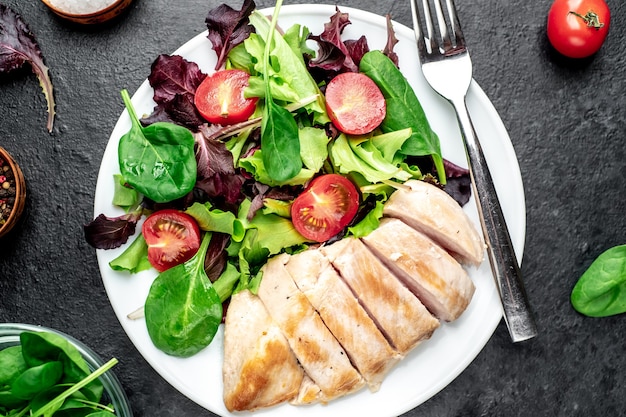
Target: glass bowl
113, 391
92, 17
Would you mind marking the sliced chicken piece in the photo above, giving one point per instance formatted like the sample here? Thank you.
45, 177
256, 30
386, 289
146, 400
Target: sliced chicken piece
434, 276
432, 211
260, 369
366, 346
317, 350
400, 316
309, 393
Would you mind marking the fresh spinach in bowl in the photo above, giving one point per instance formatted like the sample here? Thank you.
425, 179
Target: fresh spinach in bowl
45, 375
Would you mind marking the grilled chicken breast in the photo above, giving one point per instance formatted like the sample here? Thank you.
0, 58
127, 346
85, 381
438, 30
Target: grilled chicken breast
366, 346
259, 369
400, 316
317, 350
434, 276
432, 211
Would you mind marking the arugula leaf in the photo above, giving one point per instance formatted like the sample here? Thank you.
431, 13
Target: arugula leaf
18, 46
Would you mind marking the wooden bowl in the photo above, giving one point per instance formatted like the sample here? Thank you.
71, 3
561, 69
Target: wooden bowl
96, 17
17, 183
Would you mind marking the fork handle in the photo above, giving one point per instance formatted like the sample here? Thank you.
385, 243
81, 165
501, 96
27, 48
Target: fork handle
504, 264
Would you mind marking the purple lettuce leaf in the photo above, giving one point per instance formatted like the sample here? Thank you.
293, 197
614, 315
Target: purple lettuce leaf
175, 81
391, 42
357, 48
228, 28
18, 46
173, 75
224, 190
212, 156
216, 256
111, 232
335, 55
459, 184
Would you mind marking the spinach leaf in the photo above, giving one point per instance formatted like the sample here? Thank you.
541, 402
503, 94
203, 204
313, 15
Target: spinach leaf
601, 290
11, 364
279, 132
157, 160
279, 142
10, 401
42, 347
183, 311
37, 379
403, 109
48, 409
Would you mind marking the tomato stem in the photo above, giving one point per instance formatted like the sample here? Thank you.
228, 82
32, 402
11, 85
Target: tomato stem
591, 19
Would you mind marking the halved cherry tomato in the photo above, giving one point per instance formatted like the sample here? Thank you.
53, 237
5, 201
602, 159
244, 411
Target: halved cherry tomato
354, 103
173, 237
325, 208
577, 28
219, 98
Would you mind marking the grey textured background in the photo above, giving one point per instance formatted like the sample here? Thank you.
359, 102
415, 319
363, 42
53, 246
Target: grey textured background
566, 121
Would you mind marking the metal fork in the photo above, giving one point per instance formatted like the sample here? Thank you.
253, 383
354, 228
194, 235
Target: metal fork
447, 67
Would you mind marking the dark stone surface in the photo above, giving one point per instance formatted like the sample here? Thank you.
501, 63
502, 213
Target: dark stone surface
566, 121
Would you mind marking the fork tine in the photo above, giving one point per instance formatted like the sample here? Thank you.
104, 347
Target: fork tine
459, 39
446, 44
422, 42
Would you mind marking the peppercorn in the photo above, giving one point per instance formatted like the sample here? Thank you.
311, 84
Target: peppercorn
7, 191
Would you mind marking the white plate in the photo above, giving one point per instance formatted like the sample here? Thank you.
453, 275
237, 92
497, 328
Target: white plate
433, 364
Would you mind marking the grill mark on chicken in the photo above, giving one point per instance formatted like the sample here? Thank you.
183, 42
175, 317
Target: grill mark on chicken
430, 210
401, 317
343, 315
299, 346
432, 274
317, 350
260, 369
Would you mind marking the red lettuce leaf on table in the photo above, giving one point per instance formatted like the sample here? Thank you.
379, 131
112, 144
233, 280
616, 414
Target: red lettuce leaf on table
228, 28
18, 46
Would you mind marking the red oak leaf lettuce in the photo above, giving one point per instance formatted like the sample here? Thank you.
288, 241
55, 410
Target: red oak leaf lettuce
18, 47
111, 232
228, 28
175, 81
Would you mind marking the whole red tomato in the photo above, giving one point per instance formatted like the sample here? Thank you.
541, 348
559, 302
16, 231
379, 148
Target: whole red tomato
577, 28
